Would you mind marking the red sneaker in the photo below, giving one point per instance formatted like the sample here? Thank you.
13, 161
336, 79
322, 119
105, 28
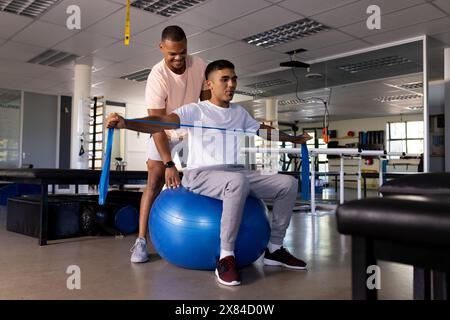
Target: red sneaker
226, 272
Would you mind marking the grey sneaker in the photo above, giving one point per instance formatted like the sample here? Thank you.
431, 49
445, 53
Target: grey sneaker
139, 251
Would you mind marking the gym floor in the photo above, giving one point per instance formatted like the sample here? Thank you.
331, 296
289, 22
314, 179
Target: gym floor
29, 271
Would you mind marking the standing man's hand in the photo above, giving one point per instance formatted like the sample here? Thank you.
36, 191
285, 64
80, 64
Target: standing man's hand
114, 120
172, 178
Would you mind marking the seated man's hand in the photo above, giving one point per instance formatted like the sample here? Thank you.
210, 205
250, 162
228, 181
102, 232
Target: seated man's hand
172, 178
302, 138
115, 121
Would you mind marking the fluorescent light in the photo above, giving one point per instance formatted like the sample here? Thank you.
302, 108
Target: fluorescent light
53, 58
28, 8
286, 33
138, 76
403, 97
374, 64
165, 8
268, 83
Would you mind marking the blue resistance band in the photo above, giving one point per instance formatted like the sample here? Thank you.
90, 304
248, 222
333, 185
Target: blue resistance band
104, 178
306, 193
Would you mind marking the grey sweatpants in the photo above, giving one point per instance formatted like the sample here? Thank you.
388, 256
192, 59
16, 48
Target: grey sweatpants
232, 185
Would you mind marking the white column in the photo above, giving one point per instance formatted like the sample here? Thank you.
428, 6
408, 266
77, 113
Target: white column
272, 117
79, 139
447, 106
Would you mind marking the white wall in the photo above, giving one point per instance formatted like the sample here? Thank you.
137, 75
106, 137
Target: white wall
136, 142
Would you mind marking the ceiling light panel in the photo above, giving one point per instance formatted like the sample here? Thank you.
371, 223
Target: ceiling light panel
268, 83
139, 76
53, 58
385, 62
29, 8
166, 8
404, 97
286, 33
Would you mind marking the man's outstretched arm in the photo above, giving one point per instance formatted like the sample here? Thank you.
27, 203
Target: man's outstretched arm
155, 124
270, 133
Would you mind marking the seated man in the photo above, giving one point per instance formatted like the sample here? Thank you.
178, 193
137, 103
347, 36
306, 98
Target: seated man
213, 172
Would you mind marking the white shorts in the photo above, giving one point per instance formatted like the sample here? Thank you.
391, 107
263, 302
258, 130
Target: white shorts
178, 150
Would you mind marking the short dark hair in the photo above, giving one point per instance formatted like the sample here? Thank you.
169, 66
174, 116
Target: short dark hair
173, 33
218, 65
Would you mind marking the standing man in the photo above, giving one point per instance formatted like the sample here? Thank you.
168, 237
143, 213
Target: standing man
176, 80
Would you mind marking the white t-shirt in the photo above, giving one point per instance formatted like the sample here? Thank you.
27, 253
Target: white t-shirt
168, 90
211, 146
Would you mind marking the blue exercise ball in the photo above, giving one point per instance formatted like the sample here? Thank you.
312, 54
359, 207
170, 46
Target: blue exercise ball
185, 229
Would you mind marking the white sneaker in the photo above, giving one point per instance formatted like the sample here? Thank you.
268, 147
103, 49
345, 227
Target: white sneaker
139, 251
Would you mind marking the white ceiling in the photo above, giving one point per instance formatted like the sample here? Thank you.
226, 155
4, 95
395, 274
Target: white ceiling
214, 29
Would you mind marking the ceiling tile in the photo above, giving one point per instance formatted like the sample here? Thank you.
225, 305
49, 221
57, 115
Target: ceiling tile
12, 23
38, 33
207, 40
337, 49
257, 22
229, 10
443, 4
90, 11
18, 51
152, 36
320, 40
396, 20
312, 7
147, 60
249, 59
430, 28
114, 25
355, 12
84, 43
120, 52
228, 51
117, 70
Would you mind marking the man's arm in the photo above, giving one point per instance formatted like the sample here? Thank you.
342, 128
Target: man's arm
159, 124
270, 133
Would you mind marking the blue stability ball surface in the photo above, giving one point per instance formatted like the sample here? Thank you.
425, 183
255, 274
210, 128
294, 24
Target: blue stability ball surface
185, 229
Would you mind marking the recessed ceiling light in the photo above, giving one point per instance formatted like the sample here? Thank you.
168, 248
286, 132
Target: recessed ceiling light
404, 97
415, 108
27, 8
286, 33
374, 64
53, 58
268, 83
138, 76
251, 93
165, 8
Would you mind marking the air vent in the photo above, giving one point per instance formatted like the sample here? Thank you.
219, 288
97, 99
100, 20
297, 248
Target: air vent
374, 64
138, 76
27, 8
268, 83
415, 108
412, 85
286, 33
166, 8
404, 97
53, 58
252, 93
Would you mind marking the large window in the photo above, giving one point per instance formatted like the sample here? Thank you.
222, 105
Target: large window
405, 136
10, 104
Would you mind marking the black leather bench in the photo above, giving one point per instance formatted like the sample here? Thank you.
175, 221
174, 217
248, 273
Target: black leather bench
408, 229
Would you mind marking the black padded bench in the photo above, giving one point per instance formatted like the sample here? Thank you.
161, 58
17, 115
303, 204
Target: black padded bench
413, 230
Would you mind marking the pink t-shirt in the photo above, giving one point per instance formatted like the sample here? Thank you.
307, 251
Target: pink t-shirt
168, 90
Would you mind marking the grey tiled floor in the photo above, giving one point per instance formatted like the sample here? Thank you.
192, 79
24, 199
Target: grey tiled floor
28, 271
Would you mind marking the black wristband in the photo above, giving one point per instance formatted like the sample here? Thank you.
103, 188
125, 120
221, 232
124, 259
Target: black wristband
169, 164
